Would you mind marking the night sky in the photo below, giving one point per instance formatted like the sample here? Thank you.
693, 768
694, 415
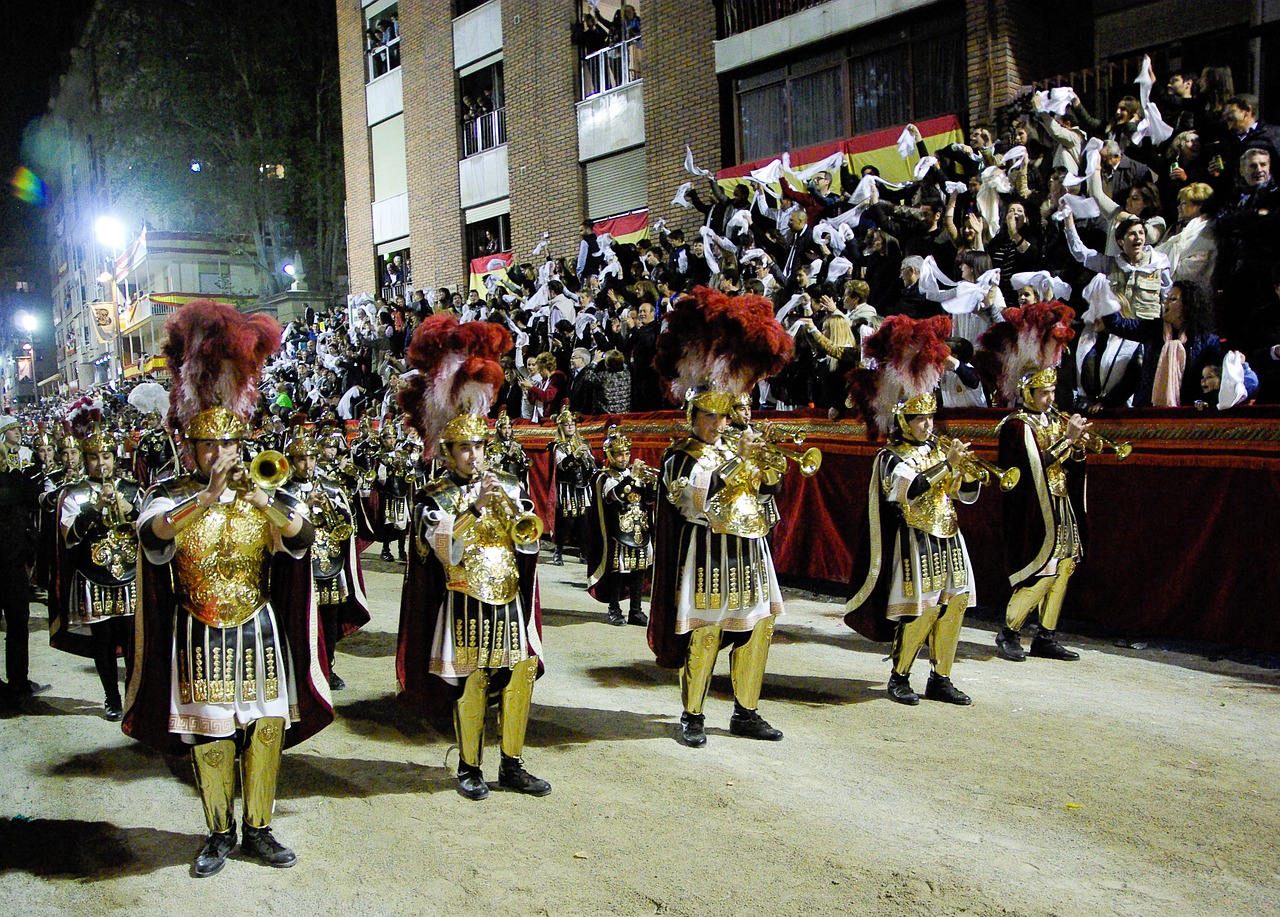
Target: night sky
34, 47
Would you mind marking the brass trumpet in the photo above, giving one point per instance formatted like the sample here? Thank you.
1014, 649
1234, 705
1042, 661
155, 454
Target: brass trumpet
644, 474
983, 470
268, 470
524, 528
807, 461
1096, 442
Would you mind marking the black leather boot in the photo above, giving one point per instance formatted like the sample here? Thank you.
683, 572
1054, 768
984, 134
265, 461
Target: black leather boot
113, 709
692, 732
615, 616
1045, 645
751, 725
261, 845
1009, 645
899, 690
513, 776
471, 782
941, 688
213, 855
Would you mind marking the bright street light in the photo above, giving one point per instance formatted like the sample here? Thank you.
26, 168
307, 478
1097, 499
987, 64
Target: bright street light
26, 321
289, 269
104, 277
110, 233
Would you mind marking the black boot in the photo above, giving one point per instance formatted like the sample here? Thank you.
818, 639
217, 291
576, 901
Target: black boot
512, 776
899, 690
615, 616
261, 845
1046, 646
471, 782
1009, 645
692, 732
637, 615
335, 680
213, 855
557, 559
941, 688
113, 709
386, 554
751, 725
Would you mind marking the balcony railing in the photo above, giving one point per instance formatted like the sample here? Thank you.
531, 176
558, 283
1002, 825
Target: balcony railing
736, 16
383, 59
610, 68
484, 132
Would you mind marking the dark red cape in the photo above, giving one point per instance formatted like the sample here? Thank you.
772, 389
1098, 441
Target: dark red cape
868, 617
669, 541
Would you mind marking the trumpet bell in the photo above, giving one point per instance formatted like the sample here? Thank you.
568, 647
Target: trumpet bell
526, 529
810, 461
269, 469
1123, 451
1009, 478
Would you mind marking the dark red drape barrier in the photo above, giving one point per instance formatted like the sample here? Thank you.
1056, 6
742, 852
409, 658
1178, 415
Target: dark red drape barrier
1182, 539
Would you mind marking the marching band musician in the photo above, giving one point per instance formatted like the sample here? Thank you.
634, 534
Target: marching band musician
575, 468
714, 583
393, 483
620, 549
98, 564
335, 563
504, 452
916, 581
739, 421
1044, 521
227, 643
470, 623
18, 494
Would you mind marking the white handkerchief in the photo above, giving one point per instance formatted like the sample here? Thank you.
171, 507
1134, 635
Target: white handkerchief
1232, 391
923, 166
682, 196
689, 165
906, 143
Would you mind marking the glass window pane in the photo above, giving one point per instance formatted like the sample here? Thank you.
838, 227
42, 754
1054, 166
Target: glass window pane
877, 82
938, 65
763, 122
817, 108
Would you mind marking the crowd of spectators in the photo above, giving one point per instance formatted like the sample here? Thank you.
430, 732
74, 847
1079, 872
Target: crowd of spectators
1158, 226
610, 47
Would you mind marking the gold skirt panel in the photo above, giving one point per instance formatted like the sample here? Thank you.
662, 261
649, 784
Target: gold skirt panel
572, 501
223, 665
629, 559
477, 635
92, 602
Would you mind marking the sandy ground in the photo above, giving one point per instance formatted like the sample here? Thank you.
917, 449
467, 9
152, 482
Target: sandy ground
1129, 783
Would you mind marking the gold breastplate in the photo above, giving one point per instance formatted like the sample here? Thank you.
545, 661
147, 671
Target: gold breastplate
933, 511
222, 564
735, 509
1055, 475
488, 568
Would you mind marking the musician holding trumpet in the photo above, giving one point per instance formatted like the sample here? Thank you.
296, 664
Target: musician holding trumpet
620, 545
1044, 516
915, 581
97, 566
470, 625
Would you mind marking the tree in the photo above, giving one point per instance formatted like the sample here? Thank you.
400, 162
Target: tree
223, 119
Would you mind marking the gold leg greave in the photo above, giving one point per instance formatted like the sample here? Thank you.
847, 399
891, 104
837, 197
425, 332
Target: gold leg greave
513, 709
1057, 593
264, 744
215, 767
747, 663
699, 663
1025, 600
468, 717
946, 635
910, 636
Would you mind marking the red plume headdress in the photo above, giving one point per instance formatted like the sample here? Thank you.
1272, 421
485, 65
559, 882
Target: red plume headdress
1023, 351
909, 356
216, 354
458, 378
715, 348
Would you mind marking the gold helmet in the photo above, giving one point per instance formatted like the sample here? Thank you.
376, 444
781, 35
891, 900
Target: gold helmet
616, 442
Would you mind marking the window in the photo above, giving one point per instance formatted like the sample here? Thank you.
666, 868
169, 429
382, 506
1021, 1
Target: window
214, 277
484, 112
381, 39
608, 40
903, 70
489, 236
395, 272
616, 184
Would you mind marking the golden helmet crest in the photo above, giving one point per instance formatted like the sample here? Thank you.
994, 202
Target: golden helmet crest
216, 424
